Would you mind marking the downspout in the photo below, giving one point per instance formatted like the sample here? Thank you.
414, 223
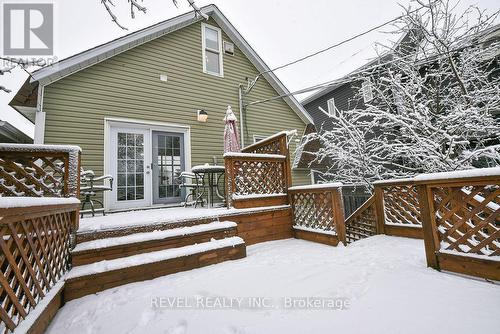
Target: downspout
240, 101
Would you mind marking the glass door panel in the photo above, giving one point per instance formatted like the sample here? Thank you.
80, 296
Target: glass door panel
130, 182
168, 163
128, 167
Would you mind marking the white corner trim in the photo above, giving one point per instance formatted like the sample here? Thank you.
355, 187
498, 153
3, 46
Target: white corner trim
39, 137
204, 49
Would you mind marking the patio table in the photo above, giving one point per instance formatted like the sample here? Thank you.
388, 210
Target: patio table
209, 176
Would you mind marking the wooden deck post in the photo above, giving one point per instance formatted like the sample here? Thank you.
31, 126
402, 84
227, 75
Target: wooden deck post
431, 240
286, 152
379, 208
338, 212
229, 180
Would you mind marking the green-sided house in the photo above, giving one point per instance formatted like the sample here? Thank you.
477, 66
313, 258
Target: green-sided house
143, 91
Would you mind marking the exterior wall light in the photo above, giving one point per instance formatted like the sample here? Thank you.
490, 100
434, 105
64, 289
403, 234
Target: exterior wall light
202, 116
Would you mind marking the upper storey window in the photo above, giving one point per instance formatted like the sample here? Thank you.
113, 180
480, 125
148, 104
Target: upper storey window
212, 49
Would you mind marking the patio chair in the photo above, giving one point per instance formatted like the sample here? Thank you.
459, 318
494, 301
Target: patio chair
194, 189
89, 189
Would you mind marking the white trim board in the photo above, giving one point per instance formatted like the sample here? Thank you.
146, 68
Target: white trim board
102, 52
150, 126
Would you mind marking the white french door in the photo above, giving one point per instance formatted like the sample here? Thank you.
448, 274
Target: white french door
130, 166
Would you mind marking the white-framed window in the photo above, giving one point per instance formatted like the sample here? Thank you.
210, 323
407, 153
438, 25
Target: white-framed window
332, 109
367, 89
211, 40
257, 138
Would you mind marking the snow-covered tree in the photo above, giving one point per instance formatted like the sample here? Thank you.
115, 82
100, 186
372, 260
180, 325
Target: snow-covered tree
432, 107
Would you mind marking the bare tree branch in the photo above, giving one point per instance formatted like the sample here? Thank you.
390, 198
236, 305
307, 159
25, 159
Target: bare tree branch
135, 6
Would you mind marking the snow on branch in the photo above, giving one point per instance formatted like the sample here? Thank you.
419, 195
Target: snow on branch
135, 6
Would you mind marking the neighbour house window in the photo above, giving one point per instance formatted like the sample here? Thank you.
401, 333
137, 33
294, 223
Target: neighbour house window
332, 109
212, 49
367, 89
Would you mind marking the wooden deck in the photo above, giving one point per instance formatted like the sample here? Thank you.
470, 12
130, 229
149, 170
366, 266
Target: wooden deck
458, 218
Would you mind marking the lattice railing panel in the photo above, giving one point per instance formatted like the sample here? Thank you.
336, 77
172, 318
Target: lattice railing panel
468, 218
253, 177
35, 254
362, 223
313, 210
32, 176
401, 205
39, 171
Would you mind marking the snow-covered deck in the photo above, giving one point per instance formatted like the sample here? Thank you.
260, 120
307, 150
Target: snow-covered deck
385, 280
136, 218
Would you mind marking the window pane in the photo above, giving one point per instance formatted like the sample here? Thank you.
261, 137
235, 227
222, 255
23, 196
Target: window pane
122, 194
211, 39
212, 62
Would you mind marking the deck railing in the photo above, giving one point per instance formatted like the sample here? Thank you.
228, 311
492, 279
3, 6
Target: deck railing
260, 175
255, 179
362, 223
35, 232
399, 213
457, 215
318, 210
461, 223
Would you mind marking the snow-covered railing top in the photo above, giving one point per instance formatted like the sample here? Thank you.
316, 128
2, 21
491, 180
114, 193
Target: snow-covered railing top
275, 144
317, 186
469, 174
254, 155
39, 170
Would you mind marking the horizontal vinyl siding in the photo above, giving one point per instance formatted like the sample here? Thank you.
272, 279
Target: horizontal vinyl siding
128, 86
345, 99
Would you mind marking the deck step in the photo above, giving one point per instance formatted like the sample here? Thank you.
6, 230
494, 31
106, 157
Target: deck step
91, 278
119, 247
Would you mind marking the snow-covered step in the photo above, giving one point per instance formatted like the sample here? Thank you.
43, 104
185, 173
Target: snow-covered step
113, 248
91, 278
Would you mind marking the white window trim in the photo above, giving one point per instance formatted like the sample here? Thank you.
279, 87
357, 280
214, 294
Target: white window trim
203, 50
330, 103
367, 89
257, 138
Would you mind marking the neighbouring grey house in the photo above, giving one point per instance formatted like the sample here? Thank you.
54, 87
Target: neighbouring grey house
11, 134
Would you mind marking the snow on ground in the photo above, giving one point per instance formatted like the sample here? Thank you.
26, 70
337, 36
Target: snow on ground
153, 216
385, 279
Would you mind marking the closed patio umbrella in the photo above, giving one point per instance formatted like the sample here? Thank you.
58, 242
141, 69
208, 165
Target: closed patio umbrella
231, 140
